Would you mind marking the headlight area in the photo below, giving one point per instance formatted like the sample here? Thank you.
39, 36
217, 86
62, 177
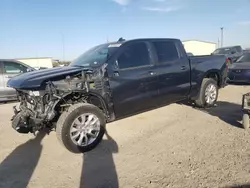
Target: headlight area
41, 108
28, 96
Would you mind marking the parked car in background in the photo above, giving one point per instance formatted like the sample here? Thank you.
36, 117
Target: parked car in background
240, 70
231, 52
9, 69
246, 51
190, 54
111, 81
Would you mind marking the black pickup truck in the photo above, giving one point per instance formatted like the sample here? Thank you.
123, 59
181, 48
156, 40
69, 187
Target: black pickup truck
111, 81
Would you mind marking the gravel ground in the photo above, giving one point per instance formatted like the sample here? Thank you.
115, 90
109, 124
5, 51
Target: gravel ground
173, 146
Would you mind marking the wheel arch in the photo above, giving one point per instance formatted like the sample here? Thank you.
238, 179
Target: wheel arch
214, 74
92, 97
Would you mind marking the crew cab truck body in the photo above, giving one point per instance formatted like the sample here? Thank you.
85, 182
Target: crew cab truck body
111, 81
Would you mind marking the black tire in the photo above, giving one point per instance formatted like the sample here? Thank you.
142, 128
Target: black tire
201, 102
245, 121
65, 121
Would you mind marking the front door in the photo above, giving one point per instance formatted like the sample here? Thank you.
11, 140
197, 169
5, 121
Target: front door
133, 80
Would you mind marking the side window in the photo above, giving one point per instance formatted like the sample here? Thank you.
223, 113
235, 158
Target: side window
135, 55
13, 68
166, 51
234, 50
238, 49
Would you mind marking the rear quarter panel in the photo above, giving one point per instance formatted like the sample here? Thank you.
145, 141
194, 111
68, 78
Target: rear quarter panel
202, 66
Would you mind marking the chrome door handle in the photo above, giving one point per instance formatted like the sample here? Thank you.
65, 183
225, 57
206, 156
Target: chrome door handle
183, 67
116, 74
151, 73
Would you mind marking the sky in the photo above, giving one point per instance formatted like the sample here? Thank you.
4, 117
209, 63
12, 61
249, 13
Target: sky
64, 29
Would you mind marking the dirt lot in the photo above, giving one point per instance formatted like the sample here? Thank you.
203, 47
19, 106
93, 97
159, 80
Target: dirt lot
173, 146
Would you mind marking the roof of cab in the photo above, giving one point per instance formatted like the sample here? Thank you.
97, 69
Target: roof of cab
142, 39
229, 47
150, 39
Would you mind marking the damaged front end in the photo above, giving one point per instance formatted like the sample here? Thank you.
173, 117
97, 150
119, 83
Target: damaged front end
41, 107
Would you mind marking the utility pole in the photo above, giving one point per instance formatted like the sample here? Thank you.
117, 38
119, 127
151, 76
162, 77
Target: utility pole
218, 44
63, 47
222, 28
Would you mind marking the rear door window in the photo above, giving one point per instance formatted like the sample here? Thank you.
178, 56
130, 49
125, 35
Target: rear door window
166, 51
13, 68
238, 49
134, 55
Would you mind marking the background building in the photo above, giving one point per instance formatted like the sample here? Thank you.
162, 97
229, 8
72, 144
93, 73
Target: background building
198, 47
39, 62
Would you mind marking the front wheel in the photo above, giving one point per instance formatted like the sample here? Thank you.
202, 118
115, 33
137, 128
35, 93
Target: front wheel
81, 127
208, 93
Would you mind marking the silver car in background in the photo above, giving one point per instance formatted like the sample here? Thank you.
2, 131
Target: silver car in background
9, 69
231, 52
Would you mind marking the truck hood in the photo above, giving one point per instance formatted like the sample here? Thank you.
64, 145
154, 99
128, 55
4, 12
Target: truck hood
35, 79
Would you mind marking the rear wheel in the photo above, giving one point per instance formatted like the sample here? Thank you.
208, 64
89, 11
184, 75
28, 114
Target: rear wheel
245, 121
208, 93
81, 127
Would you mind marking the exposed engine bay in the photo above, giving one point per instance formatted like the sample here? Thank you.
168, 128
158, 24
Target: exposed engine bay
42, 107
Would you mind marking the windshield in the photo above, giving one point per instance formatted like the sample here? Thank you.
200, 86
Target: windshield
95, 55
222, 51
244, 58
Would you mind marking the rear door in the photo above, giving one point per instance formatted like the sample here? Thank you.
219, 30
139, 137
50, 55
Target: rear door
133, 79
173, 69
11, 69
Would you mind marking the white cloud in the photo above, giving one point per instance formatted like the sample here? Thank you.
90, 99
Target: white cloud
122, 2
159, 9
244, 22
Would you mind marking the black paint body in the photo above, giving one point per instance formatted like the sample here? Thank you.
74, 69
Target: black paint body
137, 89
